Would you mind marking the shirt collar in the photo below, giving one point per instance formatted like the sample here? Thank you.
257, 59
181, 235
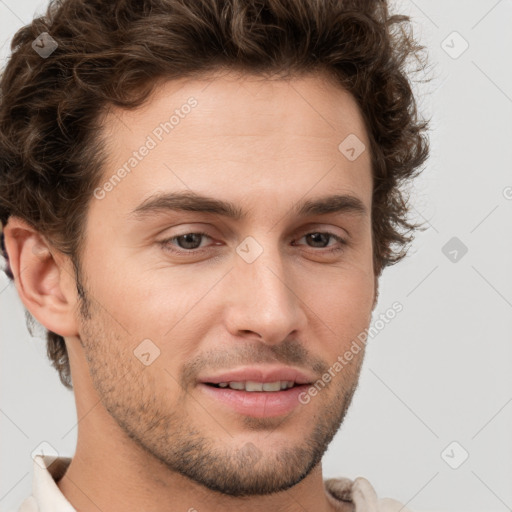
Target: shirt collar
47, 470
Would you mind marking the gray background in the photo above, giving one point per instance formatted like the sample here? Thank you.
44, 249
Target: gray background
441, 371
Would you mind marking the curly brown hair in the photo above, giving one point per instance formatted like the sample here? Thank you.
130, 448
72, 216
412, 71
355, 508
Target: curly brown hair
116, 52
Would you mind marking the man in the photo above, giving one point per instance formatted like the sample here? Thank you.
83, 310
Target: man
198, 198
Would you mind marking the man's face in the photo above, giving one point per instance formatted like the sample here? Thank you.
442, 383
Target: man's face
272, 290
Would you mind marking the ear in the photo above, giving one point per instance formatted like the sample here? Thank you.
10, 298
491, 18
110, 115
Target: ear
43, 277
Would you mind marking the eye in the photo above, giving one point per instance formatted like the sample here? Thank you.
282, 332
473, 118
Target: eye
188, 242
322, 237
191, 242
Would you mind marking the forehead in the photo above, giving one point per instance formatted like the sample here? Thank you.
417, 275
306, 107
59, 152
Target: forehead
250, 102
234, 133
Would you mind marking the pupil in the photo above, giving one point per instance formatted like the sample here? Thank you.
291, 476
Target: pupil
187, 238
315, 236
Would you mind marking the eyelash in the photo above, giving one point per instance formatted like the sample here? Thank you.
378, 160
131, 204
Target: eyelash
166, 244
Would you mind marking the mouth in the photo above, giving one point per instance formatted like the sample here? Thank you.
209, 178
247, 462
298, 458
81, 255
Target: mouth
253, 386
257, 403
257, 392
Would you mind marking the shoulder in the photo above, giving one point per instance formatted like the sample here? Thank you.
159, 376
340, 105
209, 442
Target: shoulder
364, 492
29, 505
362, 495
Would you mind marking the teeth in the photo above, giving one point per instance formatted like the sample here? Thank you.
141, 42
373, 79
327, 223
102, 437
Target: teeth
272, 386
253, 386
258, 386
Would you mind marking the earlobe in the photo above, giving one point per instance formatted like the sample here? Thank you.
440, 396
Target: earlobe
44, 285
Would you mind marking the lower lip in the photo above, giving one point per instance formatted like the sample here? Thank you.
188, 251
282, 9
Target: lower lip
258, 404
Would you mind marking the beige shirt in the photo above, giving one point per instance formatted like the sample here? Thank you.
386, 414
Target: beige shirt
46, 496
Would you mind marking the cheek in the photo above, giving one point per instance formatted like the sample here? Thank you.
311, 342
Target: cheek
124, 294
164, 304
345, 303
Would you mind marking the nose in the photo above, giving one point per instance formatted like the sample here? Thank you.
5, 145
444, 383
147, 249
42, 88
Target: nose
263, 301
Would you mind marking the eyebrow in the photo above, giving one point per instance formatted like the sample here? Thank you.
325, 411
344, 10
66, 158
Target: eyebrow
193, 202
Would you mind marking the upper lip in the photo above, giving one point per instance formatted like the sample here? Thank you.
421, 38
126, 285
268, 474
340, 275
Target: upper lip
260, 374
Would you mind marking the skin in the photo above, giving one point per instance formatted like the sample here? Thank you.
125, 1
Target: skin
148, 438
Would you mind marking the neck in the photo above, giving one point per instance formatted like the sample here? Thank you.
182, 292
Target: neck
103, 476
